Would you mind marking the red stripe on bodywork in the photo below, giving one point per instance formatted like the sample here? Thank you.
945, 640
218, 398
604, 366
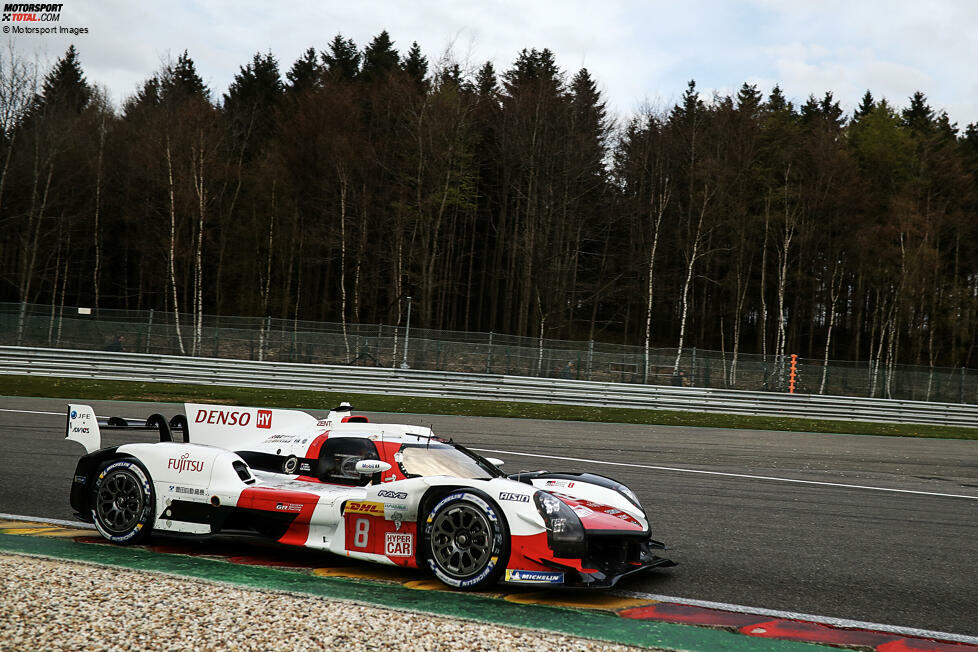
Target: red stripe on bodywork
267, 499
529, 551
315, 445
796, 630
595, 516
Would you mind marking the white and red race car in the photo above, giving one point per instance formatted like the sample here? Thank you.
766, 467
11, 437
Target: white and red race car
392, 494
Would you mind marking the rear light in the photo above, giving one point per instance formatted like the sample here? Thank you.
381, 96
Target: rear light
565, 534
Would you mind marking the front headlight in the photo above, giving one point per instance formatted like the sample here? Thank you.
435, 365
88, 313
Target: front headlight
565, 533
630, 495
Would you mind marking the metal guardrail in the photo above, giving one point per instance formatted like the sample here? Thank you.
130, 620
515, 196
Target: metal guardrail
103, 365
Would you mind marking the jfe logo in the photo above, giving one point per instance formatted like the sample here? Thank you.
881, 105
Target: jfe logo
264, 418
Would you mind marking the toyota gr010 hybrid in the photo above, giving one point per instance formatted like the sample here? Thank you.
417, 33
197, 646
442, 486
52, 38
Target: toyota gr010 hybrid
391, 494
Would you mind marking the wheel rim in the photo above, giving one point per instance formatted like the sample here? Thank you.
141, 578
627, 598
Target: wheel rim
120, 501
461, 540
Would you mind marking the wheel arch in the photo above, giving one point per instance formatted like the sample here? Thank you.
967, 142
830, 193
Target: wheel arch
86, 470
437, 493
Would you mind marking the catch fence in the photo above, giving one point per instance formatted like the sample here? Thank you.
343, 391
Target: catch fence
386, 346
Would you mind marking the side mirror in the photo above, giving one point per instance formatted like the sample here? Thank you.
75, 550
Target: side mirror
494, 461
369, 467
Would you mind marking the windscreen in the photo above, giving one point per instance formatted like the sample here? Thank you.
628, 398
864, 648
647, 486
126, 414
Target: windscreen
439, 459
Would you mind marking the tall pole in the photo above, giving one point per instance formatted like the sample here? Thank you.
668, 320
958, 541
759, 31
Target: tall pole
407, 335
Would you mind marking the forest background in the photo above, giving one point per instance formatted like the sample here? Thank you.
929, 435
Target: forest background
506, 201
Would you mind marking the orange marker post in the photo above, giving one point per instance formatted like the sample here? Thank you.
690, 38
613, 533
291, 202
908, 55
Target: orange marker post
793, 374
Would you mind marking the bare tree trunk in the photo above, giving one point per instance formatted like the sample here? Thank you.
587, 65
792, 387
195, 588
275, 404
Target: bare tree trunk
767, 223
784, 253
743, 282
34, 219
694, 254
361, 255
96, 272
930, 357
346, 339
543, 320
267, 281
201, 190
173, 244
835, 287
54, 293
64, 286
656, 212
6, 165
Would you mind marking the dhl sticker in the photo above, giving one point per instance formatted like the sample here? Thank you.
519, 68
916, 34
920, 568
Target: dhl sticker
364, 507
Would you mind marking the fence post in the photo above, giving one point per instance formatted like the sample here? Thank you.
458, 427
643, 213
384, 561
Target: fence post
961, 387
407, 335
149, 329
692, 370
489, 355
590, 357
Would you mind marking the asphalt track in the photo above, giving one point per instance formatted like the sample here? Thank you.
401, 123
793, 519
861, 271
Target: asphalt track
875, 529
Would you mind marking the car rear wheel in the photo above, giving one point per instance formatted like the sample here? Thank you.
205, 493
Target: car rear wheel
123, 502
466, 541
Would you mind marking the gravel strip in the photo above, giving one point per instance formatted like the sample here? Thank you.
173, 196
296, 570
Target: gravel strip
57, 605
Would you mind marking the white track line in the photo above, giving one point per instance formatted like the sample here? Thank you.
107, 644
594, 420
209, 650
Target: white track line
48, 521
791, 615
729, 475
60, 414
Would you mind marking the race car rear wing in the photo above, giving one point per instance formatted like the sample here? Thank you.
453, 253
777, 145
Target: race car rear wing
215, 425
85, 428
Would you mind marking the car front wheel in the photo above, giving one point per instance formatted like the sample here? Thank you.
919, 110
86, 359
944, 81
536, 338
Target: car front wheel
466, 541
123, 502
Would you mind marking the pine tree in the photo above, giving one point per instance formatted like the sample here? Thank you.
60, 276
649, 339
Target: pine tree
181, 82
379, 58
777, 103
343, 59
810, 110
305, 72
416, 65
831, 110
65, 86
749, 100
918, 117
251, 99
453, 75
946, 129
865, 107
590, 126
534, 65
970, 140
486, 84
691, 106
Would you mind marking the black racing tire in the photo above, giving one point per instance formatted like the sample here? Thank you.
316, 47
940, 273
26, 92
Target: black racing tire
123, 501
466, 540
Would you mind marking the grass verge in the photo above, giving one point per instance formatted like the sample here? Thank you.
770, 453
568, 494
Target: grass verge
117, 390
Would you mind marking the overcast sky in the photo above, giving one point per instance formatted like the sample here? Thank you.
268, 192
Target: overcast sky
637, 51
